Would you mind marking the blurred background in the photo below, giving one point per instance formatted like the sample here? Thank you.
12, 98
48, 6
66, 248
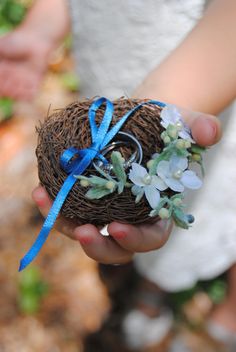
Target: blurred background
59, 300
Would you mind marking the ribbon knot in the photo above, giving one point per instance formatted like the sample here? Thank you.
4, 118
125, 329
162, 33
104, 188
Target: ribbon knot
74, 162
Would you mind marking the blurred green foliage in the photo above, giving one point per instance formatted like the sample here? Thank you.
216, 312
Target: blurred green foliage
12, 13
70, 81
6, 108
32, 288
215, 289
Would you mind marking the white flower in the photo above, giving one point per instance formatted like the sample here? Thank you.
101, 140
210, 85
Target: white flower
151, 185
171, 116
175, 175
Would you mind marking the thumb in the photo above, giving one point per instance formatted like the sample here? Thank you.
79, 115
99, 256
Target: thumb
206, 129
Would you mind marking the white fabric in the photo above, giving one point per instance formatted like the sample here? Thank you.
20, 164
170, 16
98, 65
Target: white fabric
141, 331
116, 44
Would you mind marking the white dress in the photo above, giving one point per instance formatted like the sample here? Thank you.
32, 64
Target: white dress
116, 44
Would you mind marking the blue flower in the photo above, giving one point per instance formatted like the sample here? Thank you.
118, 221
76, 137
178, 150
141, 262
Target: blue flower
171, 116
175, 175
146, 184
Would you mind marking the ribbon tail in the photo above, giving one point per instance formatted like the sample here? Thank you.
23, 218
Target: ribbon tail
48, 223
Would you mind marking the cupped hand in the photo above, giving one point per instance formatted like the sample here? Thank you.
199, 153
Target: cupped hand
125, 240
23, 61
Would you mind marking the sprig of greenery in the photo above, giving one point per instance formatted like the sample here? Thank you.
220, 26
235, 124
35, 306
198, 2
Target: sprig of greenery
118, 168
105, 185
173, 207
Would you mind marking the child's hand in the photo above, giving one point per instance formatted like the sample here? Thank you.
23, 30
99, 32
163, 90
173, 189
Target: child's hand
23, 62
125, 240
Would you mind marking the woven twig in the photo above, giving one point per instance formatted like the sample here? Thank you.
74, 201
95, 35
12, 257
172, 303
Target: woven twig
69, 127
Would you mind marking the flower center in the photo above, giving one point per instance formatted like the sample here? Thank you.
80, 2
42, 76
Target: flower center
178, 174
179, 125
147, 179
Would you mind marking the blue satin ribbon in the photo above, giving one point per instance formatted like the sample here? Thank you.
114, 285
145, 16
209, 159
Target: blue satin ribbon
75, 162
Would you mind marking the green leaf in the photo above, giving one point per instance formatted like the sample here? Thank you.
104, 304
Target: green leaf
180, 218
118, 168
97, 181
120, 187
98, 192
179, 195
6, 108
195, 148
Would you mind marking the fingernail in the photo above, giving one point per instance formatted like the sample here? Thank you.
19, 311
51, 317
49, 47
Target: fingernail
119, 235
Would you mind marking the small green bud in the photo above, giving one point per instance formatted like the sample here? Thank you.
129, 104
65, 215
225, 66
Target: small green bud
180, 144
84, 183
163, 135
172, 131
187, 144
150, 164
163, 213
110, 185
167, 140
196, 157
177, 202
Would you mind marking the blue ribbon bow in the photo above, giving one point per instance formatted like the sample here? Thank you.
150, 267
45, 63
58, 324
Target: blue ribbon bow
101, 136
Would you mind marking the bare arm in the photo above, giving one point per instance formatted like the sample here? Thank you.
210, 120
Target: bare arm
201, 73
50, 18
24, 53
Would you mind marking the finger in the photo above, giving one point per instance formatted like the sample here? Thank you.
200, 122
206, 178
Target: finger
205, 128
141, 238
44, 204
100, 248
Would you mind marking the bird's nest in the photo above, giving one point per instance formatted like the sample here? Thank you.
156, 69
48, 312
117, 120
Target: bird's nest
69, 127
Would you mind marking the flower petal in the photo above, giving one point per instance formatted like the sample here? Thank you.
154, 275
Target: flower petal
158, 183
178, 163
138, 169
186, 134
170, 115
174, 184
191, 180
152, 195
137, 173
163, 169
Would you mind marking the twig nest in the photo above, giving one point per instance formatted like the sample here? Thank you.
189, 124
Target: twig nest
69, 127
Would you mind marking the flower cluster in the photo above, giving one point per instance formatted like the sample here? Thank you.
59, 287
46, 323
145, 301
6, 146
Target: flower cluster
166, 173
